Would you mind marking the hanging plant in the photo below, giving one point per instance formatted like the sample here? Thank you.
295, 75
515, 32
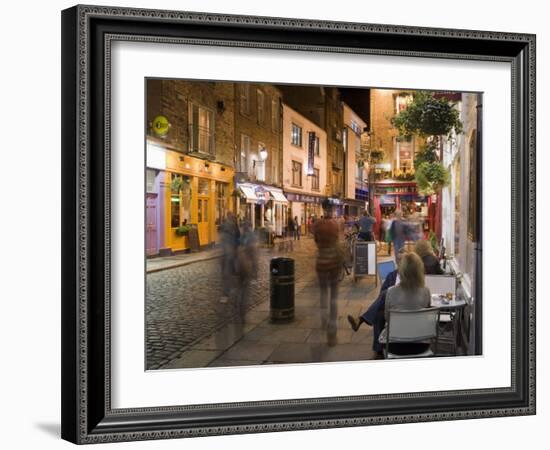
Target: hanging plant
431, 177
428, 116
426, 154
177, 184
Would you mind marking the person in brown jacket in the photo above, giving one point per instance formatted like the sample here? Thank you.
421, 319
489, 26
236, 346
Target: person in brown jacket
328, 266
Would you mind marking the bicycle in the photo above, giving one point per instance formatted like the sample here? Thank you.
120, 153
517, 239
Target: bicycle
347, 262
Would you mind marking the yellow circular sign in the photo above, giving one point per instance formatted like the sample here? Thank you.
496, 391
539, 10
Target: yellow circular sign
161, 125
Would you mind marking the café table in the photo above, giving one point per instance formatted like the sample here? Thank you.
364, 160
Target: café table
453, 308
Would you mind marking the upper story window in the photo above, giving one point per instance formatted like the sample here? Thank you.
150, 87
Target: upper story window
317, 146
260, 106
274, 115
296, 135
355, 127
402, 101
245, 154
201, 130
244, 99
296, 174
404, 152
315, 180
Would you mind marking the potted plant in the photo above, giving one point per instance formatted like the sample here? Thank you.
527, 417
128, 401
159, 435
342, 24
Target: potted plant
183, 230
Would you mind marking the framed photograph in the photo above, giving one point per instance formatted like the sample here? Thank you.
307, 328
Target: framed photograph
283, 224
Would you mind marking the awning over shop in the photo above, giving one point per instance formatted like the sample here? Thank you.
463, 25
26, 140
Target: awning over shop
277, 195
248, 192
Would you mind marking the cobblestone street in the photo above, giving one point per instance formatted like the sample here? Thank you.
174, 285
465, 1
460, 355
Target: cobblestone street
183, 303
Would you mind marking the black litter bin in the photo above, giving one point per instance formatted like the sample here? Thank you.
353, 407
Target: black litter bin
282, 289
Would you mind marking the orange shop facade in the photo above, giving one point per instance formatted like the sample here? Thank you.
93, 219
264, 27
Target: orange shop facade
183, 191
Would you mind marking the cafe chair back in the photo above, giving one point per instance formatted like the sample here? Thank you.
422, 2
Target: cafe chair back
410, 326
441, 284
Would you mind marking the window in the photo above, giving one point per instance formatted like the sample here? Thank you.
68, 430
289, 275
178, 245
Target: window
244, 99
401, 102
317, 146
296, 135
315, 180
260, 163
201, 130
404, 154
274, 115
245, 154
355, 127
221, 195
261, 106
151, 177
180, 200
296, 173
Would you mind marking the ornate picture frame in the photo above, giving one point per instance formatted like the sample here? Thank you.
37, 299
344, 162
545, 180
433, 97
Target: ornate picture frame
87, 413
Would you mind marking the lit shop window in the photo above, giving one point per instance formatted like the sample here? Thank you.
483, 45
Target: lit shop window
180, 200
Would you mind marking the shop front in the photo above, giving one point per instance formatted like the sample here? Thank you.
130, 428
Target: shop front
306, 208
263, 206
183, 192
391, 196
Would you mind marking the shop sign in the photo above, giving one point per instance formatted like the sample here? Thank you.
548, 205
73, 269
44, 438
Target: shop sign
161, 126
310, 153
262, 194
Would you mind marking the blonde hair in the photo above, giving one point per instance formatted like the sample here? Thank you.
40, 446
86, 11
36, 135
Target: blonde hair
423, 248
411, 271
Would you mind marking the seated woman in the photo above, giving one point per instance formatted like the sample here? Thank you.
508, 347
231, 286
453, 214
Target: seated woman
374, 315
430, 261
410, 294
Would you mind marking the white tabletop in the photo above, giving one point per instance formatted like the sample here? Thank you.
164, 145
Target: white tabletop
440, 301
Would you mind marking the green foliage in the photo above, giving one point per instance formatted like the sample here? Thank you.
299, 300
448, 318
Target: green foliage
427, 154
427, 116
177, 184
183, 230
433, 241
431, 177
376, 156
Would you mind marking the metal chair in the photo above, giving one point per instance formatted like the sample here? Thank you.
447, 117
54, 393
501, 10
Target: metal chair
410, 326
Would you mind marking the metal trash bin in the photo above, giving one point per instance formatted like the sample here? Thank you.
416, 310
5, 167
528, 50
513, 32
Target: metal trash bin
282, 289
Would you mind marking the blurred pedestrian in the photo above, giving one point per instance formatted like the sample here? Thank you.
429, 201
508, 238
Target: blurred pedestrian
229, 237
398, 230
366, 222
246, 267
328, 267
296, 228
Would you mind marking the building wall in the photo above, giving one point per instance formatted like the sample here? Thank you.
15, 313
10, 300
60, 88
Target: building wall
171, 98
324, 107
383, 108
456, 196
264, 132
353, 150
300, 154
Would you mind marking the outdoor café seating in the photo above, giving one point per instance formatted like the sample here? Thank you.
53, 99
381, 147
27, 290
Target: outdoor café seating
410, 327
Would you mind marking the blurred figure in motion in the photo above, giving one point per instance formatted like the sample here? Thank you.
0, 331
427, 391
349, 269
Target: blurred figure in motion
365, 227
398, 230
247, 268
328, 267
229, 237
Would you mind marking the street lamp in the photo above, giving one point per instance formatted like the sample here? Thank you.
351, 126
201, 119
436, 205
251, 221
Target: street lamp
263, 154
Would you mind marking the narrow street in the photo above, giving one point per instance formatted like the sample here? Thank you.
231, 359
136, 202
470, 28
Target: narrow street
188, 326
